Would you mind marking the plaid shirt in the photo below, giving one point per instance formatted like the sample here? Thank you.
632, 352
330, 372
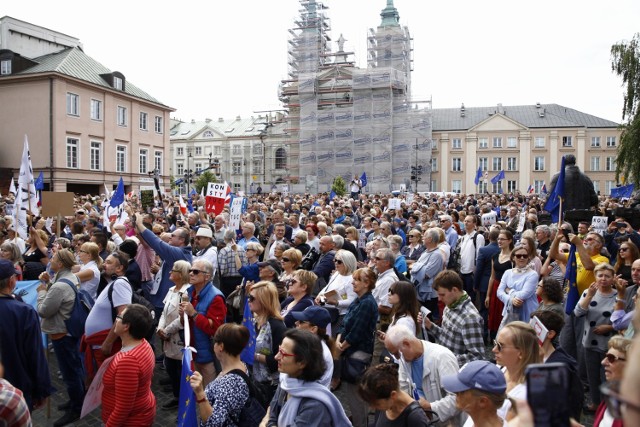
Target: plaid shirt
461, 332
227, 260
13, 409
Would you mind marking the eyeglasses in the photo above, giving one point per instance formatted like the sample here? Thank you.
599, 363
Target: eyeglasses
615, 403
612, 358
521, 256
391, 291
119, 317
283, 353
83, 252
337, 261
195, 271
285, 260
500, 346
378, 259
502, 239
251, 298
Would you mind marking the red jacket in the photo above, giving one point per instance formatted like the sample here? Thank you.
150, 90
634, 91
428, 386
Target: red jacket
600, 414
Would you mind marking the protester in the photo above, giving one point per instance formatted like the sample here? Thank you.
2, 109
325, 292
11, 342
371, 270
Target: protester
405, 310
10, 251
627, 254
551, 297
517, 289
500, 263
290, 261
316, 320
36, 257
89, 271
299, 298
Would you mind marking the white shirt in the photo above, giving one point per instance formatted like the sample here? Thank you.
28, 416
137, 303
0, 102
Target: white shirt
91, 285
99, 317
343, 285
381, 291
467, 249
210, 255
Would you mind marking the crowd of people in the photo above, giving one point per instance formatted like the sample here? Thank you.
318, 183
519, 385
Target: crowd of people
396, 303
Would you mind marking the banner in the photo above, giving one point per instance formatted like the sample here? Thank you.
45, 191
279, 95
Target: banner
236, 212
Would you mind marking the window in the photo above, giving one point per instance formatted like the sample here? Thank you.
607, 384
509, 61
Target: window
121, 158
158, 161
143, 120
180, 168
144, 160
158, 124
216, 151
483, 143
456, 186
95, 157
512, 186
72, 152
180, 151
434, 164
198, 167
539, 142
281, 158
5, 67
433, 185
96, 109
257, 149
538, 163
456, 164
595, 164
595, 141
483, 163
117, 83
122, 116
611, 141
198, 151
456, 144
257, 167
512, 164
237, 150
237, 166
608, 185
483, 186
596, 186
73, 104
497, 187
497, 164
610, 165
497, 142
567, 141
512, 142
537, 186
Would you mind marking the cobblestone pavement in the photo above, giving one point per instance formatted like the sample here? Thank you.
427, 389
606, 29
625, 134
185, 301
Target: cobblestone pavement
164, 418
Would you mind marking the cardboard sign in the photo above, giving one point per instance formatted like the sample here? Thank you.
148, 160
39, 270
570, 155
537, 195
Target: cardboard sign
541, 330
599, 224
236, 212
146, 198
55, 203
213, 205
216, 189
394, 203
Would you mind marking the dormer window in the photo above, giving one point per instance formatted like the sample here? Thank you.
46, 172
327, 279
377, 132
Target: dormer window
117, 82
5, 67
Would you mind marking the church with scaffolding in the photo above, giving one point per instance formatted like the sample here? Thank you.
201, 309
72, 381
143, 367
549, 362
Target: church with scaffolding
344, 120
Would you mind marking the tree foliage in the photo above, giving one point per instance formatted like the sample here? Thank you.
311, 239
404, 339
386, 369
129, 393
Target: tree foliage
203, 180
625, 62
339, 186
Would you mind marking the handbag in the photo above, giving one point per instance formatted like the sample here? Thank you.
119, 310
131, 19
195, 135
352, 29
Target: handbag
235, 298
354, 365
513, 314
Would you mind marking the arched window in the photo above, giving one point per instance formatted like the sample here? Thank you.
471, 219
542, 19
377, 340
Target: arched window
281, 158
207, 134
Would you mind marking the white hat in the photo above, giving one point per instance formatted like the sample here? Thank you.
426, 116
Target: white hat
204, 232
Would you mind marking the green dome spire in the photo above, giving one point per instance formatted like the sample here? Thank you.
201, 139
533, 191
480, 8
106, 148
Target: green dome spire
390, 16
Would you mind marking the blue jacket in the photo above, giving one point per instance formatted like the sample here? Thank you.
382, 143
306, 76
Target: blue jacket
169, 254
203, 340
483, 266
22, 351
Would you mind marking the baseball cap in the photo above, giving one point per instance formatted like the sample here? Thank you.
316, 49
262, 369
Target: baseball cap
7, 269
273, 264
478, 375
318, 316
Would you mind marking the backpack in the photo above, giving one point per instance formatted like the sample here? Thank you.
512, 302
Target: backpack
136, 298
81, 308
254, 408
309, 260
454, 259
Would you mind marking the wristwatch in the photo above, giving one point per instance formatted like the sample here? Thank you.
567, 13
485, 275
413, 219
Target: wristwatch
194, 315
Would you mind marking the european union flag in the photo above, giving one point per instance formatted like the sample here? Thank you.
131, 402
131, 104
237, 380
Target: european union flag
332, 195
189, 205
572, 276
478, 176
118, 196
248, 353
623, 192
498, 177
39, 182
363, 178
187, 400
554, 201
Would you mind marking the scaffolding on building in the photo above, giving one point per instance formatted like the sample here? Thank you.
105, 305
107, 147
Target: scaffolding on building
344, 120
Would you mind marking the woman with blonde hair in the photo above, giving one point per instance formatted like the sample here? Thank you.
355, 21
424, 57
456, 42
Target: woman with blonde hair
516, 347
270, 329
517, 289
36, 257
170, 325
290, 261
11, 252
89, 271
302, 283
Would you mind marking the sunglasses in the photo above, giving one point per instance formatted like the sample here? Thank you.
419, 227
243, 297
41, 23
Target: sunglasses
391, 291
251, 298
500, 346
195, 271
612, 358
521, 256
338, 261
285, 260
623, 249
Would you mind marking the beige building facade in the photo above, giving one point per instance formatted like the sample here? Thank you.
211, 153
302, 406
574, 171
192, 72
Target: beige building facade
87, 126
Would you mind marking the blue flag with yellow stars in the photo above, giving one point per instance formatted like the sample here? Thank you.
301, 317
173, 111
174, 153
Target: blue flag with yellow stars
572, 276
187, 406
249, 352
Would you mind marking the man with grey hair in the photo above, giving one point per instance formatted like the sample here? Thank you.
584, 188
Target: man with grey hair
230, 278
219, 228
248, 234
543, 238
425, 269
324, 265
450, 233
432, 362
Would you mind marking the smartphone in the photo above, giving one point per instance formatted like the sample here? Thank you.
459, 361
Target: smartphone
548, 386
621, 224
565, 232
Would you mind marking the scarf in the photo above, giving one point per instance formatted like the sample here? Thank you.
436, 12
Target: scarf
298, 390
456, 303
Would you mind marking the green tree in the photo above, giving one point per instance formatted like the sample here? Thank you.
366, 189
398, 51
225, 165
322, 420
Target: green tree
339, 186
203, 180
625, 62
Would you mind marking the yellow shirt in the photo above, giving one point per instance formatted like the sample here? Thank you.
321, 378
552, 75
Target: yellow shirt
586, 277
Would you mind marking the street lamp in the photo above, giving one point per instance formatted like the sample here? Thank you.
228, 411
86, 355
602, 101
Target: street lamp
188, 174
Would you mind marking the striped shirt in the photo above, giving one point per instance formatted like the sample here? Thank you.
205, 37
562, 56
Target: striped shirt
13, 408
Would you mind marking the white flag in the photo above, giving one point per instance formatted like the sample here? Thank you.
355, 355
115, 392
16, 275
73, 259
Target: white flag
26, 185
12, 187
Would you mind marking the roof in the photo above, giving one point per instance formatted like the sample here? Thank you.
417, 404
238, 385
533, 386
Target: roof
75, 63
531, 116
235, 128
